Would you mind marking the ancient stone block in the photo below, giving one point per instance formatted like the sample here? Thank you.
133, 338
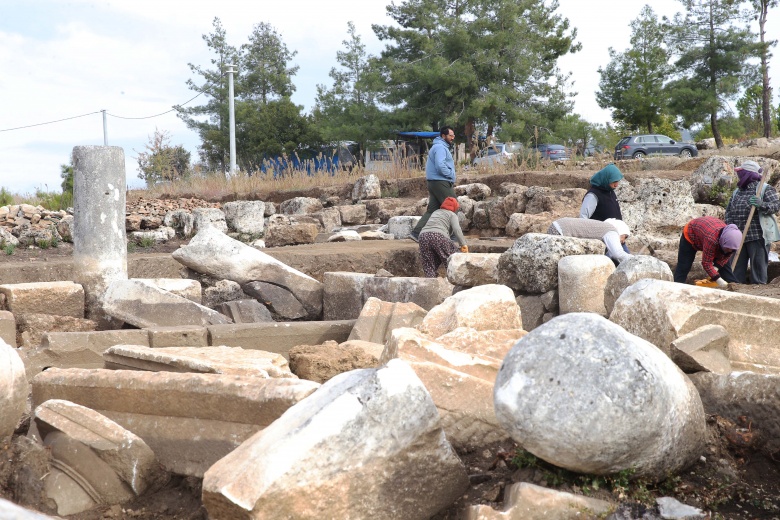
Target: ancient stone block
56, 298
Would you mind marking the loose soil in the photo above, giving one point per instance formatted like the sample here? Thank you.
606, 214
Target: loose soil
734, 479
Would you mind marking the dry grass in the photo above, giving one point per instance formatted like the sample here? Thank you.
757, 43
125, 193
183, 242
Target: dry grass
772, 151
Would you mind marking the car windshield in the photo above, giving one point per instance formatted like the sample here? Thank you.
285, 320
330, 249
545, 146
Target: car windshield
513, 147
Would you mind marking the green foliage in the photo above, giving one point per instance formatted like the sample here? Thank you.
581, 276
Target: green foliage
8, 248
713, 43
751, 113
52, 200
160, 161
632, 84
66, 174
472, 62
6, 198
349, 110
666, 126
730, 127
146, 242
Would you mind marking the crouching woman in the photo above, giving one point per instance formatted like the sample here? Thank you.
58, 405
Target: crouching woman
717, 243
612, 232
435, 243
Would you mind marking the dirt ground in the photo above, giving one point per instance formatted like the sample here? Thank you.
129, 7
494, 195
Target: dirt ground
735, 479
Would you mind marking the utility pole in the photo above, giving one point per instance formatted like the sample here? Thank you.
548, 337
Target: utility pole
231, 109
105, 128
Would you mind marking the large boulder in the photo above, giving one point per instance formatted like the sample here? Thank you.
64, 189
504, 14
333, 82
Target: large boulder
630, 271
581, 281
585, 395
366, 188
367, 444
13, 389
219, 256
531, 264
485, 307
245, 216
471, 269
657, 206
300, 206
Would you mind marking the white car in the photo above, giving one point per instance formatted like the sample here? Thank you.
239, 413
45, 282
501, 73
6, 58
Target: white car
497, 153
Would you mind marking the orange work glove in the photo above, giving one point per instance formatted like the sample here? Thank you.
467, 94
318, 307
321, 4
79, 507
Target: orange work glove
464, 249
706, 282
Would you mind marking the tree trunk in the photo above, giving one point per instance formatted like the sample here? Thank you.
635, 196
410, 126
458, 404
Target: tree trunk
716, 130
767, 90
471, 145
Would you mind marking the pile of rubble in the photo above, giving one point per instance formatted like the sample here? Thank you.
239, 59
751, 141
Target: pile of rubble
28, 225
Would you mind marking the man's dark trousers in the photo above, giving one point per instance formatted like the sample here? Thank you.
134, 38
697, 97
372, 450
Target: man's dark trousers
437, 192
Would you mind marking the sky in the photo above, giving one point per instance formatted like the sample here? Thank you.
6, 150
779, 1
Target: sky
62, 59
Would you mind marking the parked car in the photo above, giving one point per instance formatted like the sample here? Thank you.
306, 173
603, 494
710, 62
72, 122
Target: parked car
640, 146
553, 152
497, 153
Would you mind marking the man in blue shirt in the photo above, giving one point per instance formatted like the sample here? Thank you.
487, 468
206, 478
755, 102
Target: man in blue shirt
439, 174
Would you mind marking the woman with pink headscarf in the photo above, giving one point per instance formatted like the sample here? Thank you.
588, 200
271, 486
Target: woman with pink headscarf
717, 242
763, 227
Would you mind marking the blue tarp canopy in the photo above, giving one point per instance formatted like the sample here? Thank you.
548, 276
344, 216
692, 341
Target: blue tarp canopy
428, 135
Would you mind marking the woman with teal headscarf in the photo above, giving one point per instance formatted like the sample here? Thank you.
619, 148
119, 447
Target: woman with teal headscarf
600, 202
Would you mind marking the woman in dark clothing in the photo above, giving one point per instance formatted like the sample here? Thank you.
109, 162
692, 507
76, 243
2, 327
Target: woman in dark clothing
763, 228
600, 203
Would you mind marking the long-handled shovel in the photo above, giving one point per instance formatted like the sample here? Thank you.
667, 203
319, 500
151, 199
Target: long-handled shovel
764, 177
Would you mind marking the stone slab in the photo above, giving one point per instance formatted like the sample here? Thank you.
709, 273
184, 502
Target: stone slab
8, 328
280, 337
189, 420
182, 336
57, 298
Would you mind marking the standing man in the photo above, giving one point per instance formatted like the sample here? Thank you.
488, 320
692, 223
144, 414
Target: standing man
439, 174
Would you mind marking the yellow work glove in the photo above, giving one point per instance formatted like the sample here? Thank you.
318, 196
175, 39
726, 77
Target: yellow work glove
706, 282
464, 249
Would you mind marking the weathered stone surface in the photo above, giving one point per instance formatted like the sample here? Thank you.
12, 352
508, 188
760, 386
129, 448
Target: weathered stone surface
656, 206
279, 300
560, 203
181, 336
8, 328
525, 501
143, 305
520, 224
515, 202
367, 187
425, 292
56, 298
290, 234
353, 215
320, 363
165, 408
280, 337
378, 319
412, 345
346, 235
77, 349
475, 190
183, 287
581, 282
245, 216
7, 239
329, 219
487, 344
32, 327
10, 511
222, 291
671, 508
126, 454
208, 217
182, 221
756, 396
629, 272
245, 311
204, 360
718, 170
704, 349
376, 235
531, 264
218, 255
401, 227
531, 309
633, 407
13, 389
343, 295
660, 312
471, 269
486, 307
156, 236
386, 436
300, 206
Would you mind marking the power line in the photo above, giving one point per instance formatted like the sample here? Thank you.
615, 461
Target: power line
161, 113
98, 112
48, 122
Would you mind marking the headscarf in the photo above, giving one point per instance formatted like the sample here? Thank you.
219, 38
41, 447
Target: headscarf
749, 171
730, 237
606, 176
620, 226
450, 203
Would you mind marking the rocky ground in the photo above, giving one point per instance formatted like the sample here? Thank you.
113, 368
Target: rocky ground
735, 479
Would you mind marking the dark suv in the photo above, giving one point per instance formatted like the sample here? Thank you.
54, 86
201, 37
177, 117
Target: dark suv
640, 146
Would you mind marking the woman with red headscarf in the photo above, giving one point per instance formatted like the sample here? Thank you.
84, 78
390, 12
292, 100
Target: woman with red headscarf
435, 244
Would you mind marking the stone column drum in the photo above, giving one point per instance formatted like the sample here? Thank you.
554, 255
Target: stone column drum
99, 245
